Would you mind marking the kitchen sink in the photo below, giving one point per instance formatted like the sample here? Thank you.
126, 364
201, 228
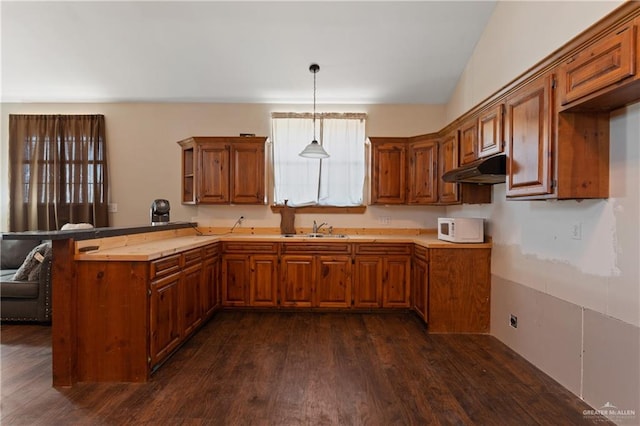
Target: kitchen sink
317, 235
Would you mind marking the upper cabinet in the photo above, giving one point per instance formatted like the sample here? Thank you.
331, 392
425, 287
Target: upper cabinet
469, 141
554, 155
388, 170
423, 161
223, 170
529, 132
448, 160
607, 62
490, 131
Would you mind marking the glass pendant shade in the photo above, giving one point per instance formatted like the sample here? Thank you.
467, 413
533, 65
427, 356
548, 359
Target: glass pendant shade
314, 150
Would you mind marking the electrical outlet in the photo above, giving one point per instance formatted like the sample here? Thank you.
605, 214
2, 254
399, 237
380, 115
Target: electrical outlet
576, 231
112, 207
513, 321
385, 220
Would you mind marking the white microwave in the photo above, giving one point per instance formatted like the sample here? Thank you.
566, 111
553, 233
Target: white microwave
461, 229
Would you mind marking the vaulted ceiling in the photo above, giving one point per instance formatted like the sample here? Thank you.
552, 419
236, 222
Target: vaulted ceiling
237, 52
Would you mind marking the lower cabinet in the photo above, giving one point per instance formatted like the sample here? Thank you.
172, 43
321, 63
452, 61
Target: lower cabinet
459, 290
383, 275
316, 280
249, 274
420, 281
164, 317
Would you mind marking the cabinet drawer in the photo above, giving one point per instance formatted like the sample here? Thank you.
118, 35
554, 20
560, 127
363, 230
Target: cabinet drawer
249, 247
381, 248
165, 266
421, 253
192, 257
313, 248
606, 62
211, 250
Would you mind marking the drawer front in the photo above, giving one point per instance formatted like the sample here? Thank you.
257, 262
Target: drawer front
192, 257
211, 250
249, 247
316, 248
607, 62
382, 249
165, 266
421, 253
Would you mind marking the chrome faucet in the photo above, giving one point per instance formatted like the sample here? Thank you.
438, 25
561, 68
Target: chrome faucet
317, 227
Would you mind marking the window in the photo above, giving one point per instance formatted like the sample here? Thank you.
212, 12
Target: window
58, 171
334, 181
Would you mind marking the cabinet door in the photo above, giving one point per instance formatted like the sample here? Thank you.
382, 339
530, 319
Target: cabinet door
367, 284
210, 290
188, 172
529, 139
606, 62
235, 280
469, 142
490, 131
420, 285
297, 277
264, 280
247, 171
396, 288
213, 173
164, 317
423, 161
333, 284
190, 312
448, 160
388, 170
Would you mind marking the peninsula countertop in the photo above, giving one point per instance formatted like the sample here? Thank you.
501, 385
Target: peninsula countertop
156, 249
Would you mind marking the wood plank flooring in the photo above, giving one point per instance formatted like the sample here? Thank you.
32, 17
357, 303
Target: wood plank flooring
279, 368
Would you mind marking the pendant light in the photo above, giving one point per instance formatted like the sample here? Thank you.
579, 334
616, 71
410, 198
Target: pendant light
314, 149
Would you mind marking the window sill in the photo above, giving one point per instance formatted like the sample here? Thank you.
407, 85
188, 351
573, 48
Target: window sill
323, 209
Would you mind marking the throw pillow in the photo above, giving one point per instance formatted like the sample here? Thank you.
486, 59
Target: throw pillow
30, 268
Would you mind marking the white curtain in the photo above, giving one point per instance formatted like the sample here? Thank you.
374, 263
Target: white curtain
334, 181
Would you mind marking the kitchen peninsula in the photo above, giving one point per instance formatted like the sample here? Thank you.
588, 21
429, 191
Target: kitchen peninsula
124, 299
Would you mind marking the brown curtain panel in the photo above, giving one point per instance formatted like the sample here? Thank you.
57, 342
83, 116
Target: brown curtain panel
58, 171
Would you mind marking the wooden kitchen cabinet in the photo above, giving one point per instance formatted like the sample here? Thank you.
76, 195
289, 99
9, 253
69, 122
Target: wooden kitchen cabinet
459, 290
388, 170
164, 317
316, 275
469, 141
249, 272
210, 289
607, 62
223, 170
367, 283
554, 156
423, 165
383, 275
448, 160
491, 131
420, 281
529, 132
263, 281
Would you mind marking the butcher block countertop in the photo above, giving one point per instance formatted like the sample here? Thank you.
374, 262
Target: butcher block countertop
139, 249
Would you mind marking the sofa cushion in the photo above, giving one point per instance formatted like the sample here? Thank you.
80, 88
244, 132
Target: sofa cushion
30, 268
19, 289
13, 252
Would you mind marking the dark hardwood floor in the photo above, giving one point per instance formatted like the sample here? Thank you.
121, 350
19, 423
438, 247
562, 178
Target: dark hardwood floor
261, 368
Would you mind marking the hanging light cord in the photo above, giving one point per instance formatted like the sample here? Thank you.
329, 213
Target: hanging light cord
314, 103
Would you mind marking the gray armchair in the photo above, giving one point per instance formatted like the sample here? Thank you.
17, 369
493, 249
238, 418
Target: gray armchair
28, 299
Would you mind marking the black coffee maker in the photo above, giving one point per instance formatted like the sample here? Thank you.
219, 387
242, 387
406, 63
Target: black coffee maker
159, 212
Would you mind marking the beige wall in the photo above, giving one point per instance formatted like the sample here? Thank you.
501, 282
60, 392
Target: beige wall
144, 159
565, 292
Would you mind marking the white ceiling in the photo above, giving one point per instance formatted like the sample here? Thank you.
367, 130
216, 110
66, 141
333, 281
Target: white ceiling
227, 52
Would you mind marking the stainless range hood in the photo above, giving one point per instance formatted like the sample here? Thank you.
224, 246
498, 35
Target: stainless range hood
489, 170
